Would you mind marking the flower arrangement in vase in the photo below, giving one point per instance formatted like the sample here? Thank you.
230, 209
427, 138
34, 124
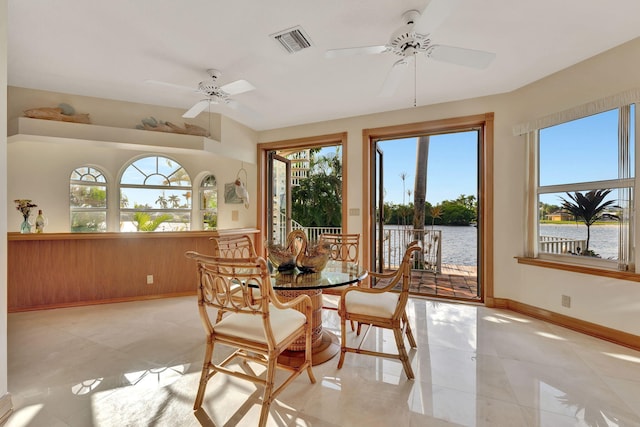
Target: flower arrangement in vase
25, 206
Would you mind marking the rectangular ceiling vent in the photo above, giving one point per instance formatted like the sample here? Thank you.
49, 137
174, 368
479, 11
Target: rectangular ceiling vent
294, 39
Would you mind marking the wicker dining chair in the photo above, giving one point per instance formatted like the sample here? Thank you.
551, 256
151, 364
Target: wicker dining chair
259, 330
236, 247
233, 246
382, 308
342, 247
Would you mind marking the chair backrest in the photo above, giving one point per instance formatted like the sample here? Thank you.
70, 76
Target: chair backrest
233, 247
223, 280
403, 276
343, 247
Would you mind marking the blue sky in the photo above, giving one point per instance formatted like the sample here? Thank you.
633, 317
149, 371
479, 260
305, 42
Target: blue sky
579, 151
452, 167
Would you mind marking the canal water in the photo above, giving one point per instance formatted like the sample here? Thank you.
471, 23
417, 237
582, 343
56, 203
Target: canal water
459, 244
603, 241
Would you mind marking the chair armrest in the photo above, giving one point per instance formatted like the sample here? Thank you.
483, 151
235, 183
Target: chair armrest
300, 299
394, 277
382, 275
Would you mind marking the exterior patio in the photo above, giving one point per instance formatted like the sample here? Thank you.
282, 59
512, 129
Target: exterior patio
454, 281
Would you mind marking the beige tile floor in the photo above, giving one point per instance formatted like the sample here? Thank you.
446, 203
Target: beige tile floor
138, 364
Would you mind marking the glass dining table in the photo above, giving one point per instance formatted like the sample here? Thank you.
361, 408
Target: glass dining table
289, 284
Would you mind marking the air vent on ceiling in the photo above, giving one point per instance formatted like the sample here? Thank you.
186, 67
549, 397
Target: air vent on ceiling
294, 39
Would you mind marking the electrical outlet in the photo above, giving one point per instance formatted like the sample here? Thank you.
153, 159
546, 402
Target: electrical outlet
566, 301
149, 279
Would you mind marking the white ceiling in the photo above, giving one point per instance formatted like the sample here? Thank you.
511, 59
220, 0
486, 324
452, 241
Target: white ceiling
108, 49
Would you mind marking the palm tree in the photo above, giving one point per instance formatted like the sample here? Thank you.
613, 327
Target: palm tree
403, 177
589, 207
436, 212
144, 221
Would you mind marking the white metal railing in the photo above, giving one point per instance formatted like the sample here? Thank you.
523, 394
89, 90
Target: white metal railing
396, 241
561, 245
313, 233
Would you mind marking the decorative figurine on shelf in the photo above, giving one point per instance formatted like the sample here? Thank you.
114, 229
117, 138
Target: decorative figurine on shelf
24, 206
40, 222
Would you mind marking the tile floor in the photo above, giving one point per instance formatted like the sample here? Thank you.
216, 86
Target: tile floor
138, 364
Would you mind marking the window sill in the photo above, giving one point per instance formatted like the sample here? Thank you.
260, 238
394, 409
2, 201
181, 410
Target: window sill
615, 274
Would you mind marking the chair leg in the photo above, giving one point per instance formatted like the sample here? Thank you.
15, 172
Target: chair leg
204, 377
402, 351
268, 390
343, 341
408, 331
307, 354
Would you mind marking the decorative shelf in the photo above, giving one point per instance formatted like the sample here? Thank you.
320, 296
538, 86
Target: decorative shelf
52, 131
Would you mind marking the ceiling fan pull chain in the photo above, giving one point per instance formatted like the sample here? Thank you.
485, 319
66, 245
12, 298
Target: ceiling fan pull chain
415, 81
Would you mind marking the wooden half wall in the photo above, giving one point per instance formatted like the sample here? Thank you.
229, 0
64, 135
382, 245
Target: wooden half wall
53, 270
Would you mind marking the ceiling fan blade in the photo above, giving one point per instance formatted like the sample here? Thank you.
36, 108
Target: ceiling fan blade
196, 109
395, 76
352, 51
237, 87
434, 14
461, 56
242, 109
171, 85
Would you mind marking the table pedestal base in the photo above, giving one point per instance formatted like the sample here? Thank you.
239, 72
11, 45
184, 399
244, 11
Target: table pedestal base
327, 348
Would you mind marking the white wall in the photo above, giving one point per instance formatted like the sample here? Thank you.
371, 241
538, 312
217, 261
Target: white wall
5, 400
607, 302
39, 170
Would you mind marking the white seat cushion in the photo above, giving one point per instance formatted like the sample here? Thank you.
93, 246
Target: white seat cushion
250, 327
368, 304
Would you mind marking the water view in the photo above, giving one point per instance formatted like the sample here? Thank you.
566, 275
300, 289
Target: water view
603, 241
459, 243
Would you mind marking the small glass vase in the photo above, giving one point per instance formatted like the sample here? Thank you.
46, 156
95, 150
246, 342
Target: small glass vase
25, 227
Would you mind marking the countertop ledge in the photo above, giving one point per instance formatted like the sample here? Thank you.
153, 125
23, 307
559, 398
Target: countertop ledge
15, 236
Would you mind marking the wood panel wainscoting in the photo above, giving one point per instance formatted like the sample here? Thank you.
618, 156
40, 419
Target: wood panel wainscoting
53, 270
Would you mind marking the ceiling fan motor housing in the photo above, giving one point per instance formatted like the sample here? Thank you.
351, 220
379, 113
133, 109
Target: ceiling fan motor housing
211, 89
406, 42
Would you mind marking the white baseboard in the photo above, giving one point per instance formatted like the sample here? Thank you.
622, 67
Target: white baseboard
6, 408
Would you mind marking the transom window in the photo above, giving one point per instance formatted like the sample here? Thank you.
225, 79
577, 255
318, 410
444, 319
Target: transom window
155, 195
585, 190
88, 200
209, 203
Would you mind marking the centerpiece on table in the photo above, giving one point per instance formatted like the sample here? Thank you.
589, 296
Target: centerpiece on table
298, 252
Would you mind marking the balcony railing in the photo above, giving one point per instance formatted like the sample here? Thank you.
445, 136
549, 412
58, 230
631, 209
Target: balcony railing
560, 245
396, 241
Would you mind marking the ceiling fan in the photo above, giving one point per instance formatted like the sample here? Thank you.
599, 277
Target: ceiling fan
215, 94
413, 38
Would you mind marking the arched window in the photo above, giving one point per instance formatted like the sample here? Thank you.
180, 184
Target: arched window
155, 195
209, 203
88, 200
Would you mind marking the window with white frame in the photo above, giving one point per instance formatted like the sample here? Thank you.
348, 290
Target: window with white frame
155, 195
209, 203
88, 200
583, 189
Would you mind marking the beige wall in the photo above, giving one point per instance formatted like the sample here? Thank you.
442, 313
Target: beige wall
5, 400
39, 169
607, 302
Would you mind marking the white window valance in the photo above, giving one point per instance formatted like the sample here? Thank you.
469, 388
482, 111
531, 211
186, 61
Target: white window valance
590, 108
